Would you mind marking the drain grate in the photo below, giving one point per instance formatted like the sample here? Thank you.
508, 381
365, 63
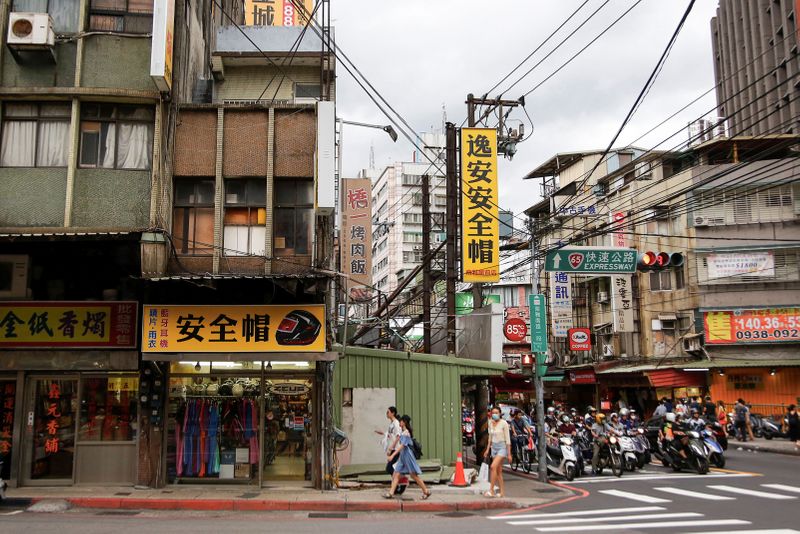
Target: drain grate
123, 493
119, 512
455, 515
546, 490
249, 495
328, 515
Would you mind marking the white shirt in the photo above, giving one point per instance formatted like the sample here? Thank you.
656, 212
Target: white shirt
392, 433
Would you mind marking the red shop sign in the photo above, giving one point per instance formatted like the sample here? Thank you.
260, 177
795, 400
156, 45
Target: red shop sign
582, 377
580, 339
515, 329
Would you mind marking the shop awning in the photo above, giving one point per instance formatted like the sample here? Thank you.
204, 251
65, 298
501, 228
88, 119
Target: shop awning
330, 356
718, 363
671, 378
512, 383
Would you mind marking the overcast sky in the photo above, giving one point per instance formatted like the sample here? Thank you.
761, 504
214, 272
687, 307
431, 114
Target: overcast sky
423, 54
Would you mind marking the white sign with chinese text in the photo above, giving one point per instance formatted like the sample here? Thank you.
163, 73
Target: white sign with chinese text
622, 303
560, 304
761, 264
356, 231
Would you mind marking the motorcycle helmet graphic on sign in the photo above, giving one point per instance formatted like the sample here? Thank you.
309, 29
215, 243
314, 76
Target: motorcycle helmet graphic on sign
299, 327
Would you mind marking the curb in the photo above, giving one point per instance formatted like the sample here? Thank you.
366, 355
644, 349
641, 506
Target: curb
216, 505
771, 450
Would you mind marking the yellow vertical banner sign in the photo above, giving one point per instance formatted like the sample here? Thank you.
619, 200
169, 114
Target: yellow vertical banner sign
480, 229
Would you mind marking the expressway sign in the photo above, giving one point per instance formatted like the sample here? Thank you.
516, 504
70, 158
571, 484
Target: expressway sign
591, 260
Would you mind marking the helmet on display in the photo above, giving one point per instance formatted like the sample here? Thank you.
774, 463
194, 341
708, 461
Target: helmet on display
237, 389
299, 327
671, 417
601, 417
212, 389
624, 412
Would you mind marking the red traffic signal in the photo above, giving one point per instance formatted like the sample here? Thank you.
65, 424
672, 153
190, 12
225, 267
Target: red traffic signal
527, 361
656, 261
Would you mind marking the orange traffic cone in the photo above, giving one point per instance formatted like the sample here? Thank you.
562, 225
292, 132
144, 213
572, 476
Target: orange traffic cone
459, 480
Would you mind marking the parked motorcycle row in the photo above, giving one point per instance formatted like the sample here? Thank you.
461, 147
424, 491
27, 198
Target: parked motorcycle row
692, 445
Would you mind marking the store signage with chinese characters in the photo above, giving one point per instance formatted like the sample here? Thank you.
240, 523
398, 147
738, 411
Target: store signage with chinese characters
84, 324
285, 328
618, 236
356, 232
745, 382
591, 260
8, 402
52, 418
560, 303
577, 210
162, 44
580, 339
480, 227
622, 303
766, 325
760, 264
582, 377
277, 12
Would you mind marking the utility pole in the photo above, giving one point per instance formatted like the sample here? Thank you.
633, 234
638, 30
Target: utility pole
537, 377
426, 273
451, 179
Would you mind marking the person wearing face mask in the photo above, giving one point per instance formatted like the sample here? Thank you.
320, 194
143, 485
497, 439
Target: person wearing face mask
500, 448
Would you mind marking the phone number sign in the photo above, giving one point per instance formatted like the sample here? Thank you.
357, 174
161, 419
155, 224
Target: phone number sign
767, 325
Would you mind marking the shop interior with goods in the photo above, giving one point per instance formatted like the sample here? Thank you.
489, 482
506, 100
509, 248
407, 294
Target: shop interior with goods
239, 422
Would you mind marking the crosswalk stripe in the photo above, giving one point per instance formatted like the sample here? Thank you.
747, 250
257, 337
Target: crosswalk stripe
656, 524
608, 518
633, 496
637, 478
782, 487
696, 494
753, 493
579, 513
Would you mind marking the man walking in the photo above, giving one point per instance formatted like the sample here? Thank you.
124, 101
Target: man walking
741, 414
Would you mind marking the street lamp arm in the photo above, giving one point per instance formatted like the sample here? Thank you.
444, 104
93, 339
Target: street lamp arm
388, 128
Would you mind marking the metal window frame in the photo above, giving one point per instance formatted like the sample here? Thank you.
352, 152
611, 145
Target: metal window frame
111, 13
37, 119
187, 207
117, 123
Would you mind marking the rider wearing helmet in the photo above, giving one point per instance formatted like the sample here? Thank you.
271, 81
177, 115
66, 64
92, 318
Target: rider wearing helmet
566, 426
695, 422
615, 425
600, 432
591, 415
672, 434
625, 418
550, 421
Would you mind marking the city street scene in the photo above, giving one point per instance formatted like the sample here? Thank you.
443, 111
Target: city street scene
443, 266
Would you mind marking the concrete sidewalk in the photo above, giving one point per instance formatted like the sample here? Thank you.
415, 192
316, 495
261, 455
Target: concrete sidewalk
520, 494
775, 445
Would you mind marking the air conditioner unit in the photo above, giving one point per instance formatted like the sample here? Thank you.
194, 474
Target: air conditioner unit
602, 297
30, 31
599, 190
13, 276
692, 344
701, 221
417, 247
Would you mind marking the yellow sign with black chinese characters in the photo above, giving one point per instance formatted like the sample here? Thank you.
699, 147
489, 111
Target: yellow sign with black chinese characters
277, 12
82, 324
285, 328
480, 228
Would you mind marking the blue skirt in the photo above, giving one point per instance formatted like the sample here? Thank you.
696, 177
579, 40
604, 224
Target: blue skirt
406, 463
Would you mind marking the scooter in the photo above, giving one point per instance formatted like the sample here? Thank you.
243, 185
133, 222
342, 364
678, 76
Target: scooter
562, 460
467, 431
610, 455
770, 429
716, 455
583, 439
696, 455
628, 448
641, 445
3, 485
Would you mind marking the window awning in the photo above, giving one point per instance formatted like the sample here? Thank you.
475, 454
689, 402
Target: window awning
672, 378
667, 317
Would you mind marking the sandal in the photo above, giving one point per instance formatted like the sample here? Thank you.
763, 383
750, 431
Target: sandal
387, 495
488, 494
426, 495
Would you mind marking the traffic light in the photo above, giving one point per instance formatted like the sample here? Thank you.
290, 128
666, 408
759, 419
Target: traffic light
527, 364
656, 261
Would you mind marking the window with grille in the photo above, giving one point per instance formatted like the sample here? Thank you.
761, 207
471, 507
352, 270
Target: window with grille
748, 205
65, 13
121, 16
412, 218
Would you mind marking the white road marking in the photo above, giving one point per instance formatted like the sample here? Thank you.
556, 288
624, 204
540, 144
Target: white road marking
609, 518
767, 531
581, 513
15, 512
753, 493
696, 494
658, 524
782, 487
633, 496
630, 478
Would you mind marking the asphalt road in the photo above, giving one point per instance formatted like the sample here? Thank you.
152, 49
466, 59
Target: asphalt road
760, 494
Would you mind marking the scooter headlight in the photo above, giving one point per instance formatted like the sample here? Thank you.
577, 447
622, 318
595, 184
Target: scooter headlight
612, 439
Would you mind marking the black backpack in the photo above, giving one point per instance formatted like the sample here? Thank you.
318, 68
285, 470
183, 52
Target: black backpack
416, 448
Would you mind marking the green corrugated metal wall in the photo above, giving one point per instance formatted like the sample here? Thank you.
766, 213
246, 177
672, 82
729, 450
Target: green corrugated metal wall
428, 391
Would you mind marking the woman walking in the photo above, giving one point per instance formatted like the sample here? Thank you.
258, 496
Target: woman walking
406, 461
722, 414
793, 424
500, 448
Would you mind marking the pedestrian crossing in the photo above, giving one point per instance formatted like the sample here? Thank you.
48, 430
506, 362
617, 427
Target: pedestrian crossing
650, 512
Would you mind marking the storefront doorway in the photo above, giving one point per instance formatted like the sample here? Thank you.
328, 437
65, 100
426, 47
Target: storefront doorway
239, 422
